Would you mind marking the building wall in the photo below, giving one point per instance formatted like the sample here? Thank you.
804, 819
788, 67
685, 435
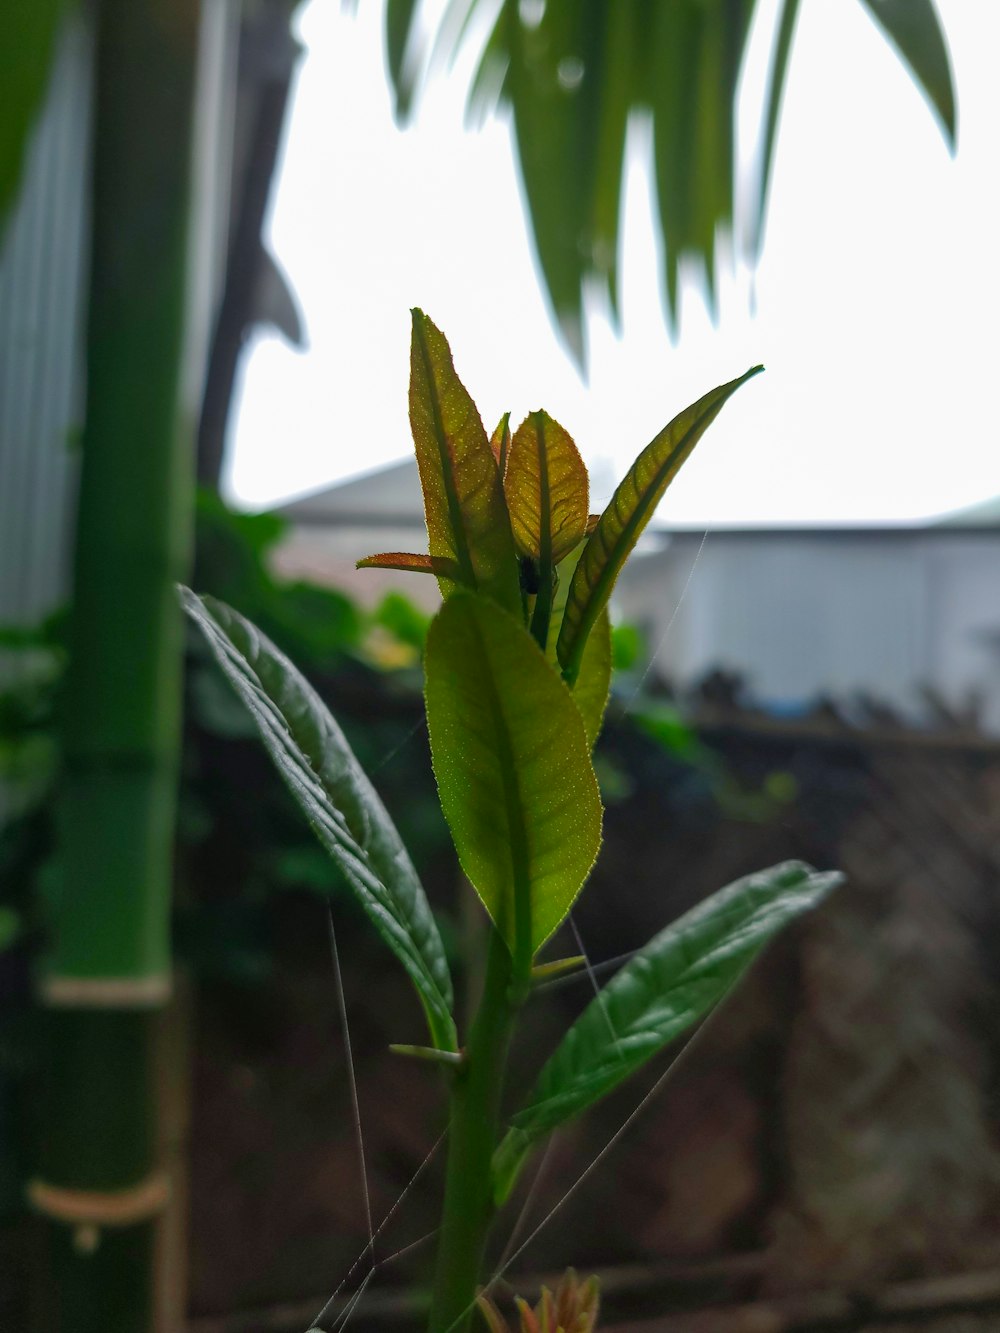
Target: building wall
42, 270
802, 615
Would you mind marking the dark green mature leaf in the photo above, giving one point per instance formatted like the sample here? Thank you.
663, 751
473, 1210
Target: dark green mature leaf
664, 990
544, 129
622, 35
463, 496
399, 40
513, 769
630, 509
489, 83
28, 30
724, 36
569, 82
696, 52
318, 766
547, 490
775, 92
914, 29
674, 46
572, 72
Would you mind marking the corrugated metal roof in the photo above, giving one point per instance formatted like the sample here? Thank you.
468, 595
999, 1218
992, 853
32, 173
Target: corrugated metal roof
42, 261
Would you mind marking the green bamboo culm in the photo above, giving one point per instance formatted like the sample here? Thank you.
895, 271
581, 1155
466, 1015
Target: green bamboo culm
99, 1191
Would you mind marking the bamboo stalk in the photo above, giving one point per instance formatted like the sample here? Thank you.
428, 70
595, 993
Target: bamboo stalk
99, 1188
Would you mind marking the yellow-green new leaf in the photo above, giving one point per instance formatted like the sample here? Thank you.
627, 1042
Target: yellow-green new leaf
463, 496
500, 443
674, 981
321, 772
547, 490
593, 683
513, 769
620, 526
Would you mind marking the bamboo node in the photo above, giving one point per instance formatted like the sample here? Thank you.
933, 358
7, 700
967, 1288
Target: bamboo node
105, 992
88, 1210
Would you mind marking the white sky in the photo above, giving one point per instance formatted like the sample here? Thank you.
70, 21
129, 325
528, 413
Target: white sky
877, 298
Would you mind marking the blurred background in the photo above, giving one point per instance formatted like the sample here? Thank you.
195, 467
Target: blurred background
214, 218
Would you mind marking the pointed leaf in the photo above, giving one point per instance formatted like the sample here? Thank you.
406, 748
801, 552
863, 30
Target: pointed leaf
632, 506
617, 78
489, 81
529, 1319
673, 49
494, 1319
772, 114
557, 968
547, 490
914, 29
413, 562
320, 770
500, 443
463, 496
513, 769
593, 683
725, 30
592, 687
678, 977
400, 31
553, 88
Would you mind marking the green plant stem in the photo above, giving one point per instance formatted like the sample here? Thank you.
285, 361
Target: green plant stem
543, 606
475, 1118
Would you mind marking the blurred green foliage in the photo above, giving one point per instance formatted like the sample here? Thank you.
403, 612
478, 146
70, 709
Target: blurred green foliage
241, 840
575, 74
231, 811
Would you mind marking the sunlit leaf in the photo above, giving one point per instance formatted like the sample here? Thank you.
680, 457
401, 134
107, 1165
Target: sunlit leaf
513, 769
500, 443
463, 496
319, 768
914, 29
593, 684
413, 562
547, 490
674, 981
632, 506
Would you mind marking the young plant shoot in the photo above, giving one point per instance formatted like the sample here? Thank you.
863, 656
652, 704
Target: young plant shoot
517, 673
